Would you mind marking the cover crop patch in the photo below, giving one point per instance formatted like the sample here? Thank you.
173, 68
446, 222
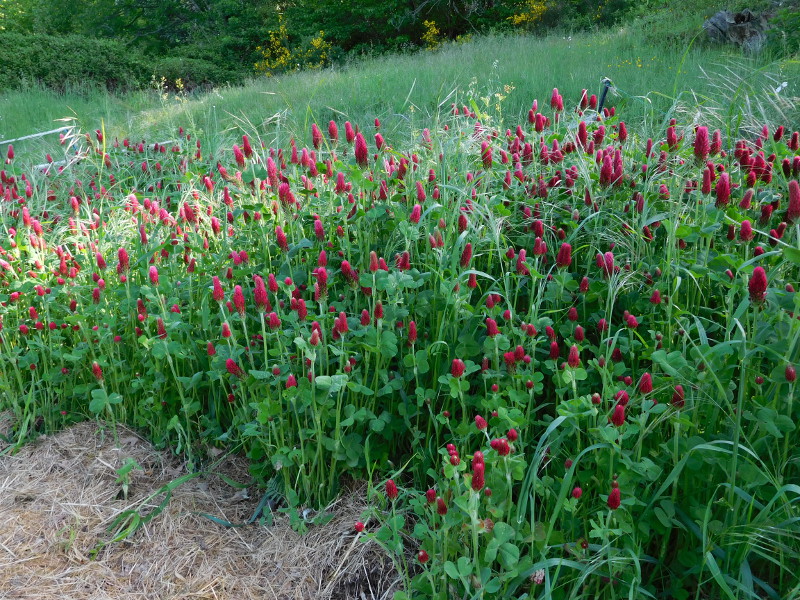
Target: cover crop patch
602, 325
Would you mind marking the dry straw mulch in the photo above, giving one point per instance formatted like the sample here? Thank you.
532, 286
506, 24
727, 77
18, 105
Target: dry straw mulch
59, 495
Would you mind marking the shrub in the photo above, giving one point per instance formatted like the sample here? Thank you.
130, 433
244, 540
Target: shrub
785, 35
63, 61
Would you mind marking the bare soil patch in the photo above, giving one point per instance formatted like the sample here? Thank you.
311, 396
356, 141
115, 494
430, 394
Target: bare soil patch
59, 495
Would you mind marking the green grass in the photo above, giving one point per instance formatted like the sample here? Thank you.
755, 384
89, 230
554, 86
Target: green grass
401, 88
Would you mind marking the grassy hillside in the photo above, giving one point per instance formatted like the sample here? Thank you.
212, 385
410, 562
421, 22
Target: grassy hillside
507, 71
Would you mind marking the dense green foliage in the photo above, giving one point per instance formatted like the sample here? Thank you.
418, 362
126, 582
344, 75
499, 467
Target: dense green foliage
786, 39
60, 61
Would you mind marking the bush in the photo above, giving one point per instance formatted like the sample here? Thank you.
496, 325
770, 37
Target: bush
61, 62
784, 39
66, 61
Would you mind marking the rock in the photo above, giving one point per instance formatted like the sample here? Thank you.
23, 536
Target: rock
745, 29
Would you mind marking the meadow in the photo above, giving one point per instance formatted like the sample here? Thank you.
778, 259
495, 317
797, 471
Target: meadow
649, 80
558, 340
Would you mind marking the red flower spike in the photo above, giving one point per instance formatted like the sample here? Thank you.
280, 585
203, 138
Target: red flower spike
238, 155
793, 211
316, 136
359, 526
421, 196
350, 133
501, 447
361, 152
441, 507
97, 371
614, 499
790, 373
678, 397
554, 99
274, 321
412, 333
746, 231
577, 492
723, 190
574, 359
646, 384
391, 490
480, 422
260, 292
466, 255
349, 273
478, 479
280, 237
153, 275
124, 262
564, 257
457, 368
233, 368
618, 418
486, 155
702, 145
491, 327
430, 496
238, 299
758, 285
341, 325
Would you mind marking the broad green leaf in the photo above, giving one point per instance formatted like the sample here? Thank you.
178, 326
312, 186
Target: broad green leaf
508, 555
503, 532
451, 570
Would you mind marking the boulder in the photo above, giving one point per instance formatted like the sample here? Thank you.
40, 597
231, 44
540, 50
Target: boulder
745, 29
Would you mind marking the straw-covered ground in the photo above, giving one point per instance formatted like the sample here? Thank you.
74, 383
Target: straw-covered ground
59, 495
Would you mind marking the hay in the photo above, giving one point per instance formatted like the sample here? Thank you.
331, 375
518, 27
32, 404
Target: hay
59, 495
